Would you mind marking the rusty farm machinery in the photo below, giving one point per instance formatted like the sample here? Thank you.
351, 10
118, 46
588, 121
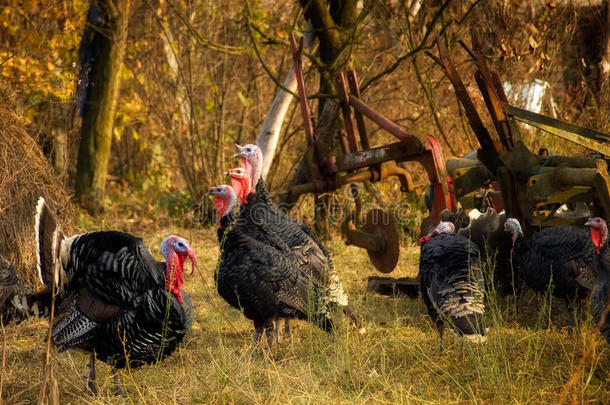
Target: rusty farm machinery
357, 163
505, 174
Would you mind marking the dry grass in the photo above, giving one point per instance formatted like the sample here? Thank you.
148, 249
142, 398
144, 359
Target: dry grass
25, 175
397, 361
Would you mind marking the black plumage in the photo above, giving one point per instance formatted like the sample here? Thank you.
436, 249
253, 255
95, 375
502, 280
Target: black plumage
14, 294
563, 258
297, 236
114, 299
259, 274
486, 230
451, 283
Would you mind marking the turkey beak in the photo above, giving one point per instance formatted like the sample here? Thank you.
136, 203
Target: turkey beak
191, 254
240, 152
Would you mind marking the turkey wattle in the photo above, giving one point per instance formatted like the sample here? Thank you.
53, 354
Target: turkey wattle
451, 282
113, 299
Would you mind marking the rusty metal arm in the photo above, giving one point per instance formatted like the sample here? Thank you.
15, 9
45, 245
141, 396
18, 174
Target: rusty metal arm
586, 137
411, 140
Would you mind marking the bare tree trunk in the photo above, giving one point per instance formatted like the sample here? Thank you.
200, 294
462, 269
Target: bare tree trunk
182, 98
269, 134
104, 41
604, 69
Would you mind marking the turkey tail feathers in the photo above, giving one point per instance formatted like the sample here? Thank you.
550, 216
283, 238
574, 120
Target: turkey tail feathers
48, 244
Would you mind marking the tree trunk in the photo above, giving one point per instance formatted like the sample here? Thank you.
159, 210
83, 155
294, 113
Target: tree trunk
269, 134
334, 24
604, 68
103, 47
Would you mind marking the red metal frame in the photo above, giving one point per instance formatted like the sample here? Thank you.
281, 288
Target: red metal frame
326, 168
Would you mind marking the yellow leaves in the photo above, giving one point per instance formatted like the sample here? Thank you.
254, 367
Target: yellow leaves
533, 43
209, 105
245, 101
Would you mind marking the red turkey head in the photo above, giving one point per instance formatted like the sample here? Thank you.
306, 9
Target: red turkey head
599, 232
443, 227
251, 158
175, 250
241, 183
225, 199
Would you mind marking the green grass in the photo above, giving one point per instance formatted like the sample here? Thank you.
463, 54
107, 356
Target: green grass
528, 358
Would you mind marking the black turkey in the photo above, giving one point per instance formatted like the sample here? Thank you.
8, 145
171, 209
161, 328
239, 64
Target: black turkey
566, 258
14, 294
226, 202
260, 275
451, 282
600, 298
486, 230
570, 260
298, 236
113, 299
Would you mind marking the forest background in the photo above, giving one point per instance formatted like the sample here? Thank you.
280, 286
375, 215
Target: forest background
198, 77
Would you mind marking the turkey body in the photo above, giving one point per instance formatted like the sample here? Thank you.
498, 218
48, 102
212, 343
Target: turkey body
303, 243
562, 258
260, 275
452, 285
113, 301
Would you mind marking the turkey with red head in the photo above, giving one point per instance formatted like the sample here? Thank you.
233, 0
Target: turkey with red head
113, 299
260, 275
451, 282
296, 235
566, 258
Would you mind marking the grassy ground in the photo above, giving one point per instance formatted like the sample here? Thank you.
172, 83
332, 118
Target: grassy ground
525, 360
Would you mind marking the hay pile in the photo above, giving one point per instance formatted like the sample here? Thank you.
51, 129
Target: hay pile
25, 174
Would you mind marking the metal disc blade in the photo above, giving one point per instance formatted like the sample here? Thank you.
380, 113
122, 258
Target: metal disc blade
382, 224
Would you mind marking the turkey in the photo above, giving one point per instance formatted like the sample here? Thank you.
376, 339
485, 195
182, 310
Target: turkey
225, 206
260, 275
566, 258
486, 230
14, 295
297, 236
600, 299
451, 283
113, 299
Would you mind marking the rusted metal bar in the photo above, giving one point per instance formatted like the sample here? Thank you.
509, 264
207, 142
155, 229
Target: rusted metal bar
347, 113
345, 148
489, 157
442, 186
298, 72
355, 89
398, 151
392, 286
411, 140
350, 176
586, 137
